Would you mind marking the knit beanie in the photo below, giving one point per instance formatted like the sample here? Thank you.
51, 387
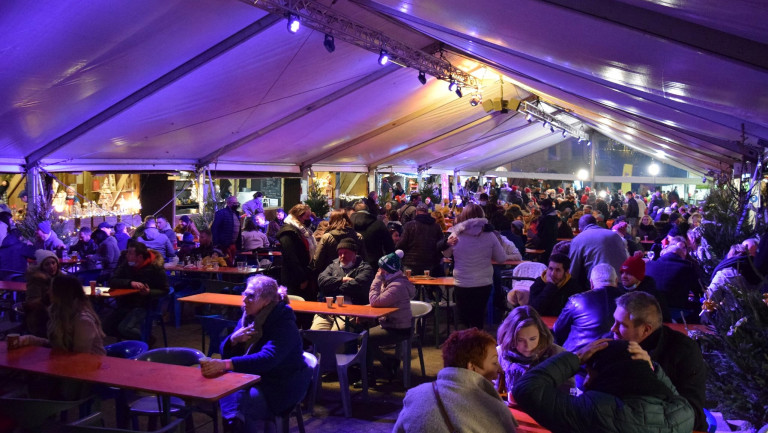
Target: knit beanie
635, 266
347, 244
391, 262
41, 255
44, 226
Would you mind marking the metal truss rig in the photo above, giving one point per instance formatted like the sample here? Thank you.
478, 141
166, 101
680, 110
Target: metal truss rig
325, 20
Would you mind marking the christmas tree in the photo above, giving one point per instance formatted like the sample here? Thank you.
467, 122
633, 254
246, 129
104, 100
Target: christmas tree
737, 355
317, 201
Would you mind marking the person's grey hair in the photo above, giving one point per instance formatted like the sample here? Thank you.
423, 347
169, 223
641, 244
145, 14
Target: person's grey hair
602, 275
263, 287
360, 206
642, 308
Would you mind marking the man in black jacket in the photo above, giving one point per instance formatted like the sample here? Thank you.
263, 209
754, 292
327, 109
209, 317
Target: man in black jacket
376, 239
419, 243
347, 276
551, 290
587, 316
638, 318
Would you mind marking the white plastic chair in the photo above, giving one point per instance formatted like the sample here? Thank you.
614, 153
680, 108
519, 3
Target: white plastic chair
522, 279
419, 311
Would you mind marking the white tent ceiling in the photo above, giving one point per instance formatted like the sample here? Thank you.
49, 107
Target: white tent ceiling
148, 85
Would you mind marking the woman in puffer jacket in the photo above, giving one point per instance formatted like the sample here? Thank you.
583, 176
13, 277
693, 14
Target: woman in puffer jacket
473, 245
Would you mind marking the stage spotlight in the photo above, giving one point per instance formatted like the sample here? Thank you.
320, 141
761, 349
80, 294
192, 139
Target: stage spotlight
383, 57
564, 133
329, 43
552, 129
293, 23
475, 101
458, 92
422, 77
529, 118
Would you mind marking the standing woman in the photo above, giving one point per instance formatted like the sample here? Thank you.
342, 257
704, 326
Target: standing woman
298, 247
339, 227
266, 342
473, 246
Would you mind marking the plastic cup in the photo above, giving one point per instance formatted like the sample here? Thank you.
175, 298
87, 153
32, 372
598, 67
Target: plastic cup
93, 285
645, 238
426, 274
340, 301
240, 266
13, 341
408, 273
329, 301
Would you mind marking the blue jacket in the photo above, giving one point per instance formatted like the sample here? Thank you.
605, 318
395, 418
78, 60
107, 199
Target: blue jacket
277, 357
223, 228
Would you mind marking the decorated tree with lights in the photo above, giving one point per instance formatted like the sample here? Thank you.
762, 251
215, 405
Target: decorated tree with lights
737, 355
316, 200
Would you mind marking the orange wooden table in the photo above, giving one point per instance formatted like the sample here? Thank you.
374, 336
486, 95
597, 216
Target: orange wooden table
363, 311
526, 424
106, 292
163, 379
14, 286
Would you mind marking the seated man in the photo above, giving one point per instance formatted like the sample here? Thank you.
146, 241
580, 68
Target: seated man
122, 236
550, 291
349, 275
587, 316
157, 241
676, 278
464, 387
85, 247
633, 279
624, 392
638, 318
46, 238
142, 270
206, 244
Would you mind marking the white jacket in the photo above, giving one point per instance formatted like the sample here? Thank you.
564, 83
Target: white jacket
473, 254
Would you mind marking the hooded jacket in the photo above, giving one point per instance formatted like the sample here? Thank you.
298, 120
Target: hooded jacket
473, 254
538, 395
376, 238
393, 290
470, 400
419, 242
157, 241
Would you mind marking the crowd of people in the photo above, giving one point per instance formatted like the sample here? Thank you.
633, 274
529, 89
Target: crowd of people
608, 364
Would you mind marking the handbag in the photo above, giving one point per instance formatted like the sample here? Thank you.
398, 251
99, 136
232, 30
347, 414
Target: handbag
447, 420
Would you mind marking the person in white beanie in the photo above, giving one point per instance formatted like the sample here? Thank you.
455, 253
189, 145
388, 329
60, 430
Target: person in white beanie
39, 279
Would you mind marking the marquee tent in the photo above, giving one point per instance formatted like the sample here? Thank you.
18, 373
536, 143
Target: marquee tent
175, 85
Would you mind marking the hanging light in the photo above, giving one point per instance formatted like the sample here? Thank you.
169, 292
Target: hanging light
383, 57
293, 23
476, 100
564, 133
551, 129
422, 77
529, 118
458, 92
329, 43
452, 85
544, 124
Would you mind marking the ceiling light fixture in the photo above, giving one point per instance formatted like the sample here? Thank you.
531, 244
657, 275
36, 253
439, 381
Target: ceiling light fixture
452, 84
552, 129
293, 23
564, 133
529, 118
383, 57
458, 92
475, 101
329, 43
422, 77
